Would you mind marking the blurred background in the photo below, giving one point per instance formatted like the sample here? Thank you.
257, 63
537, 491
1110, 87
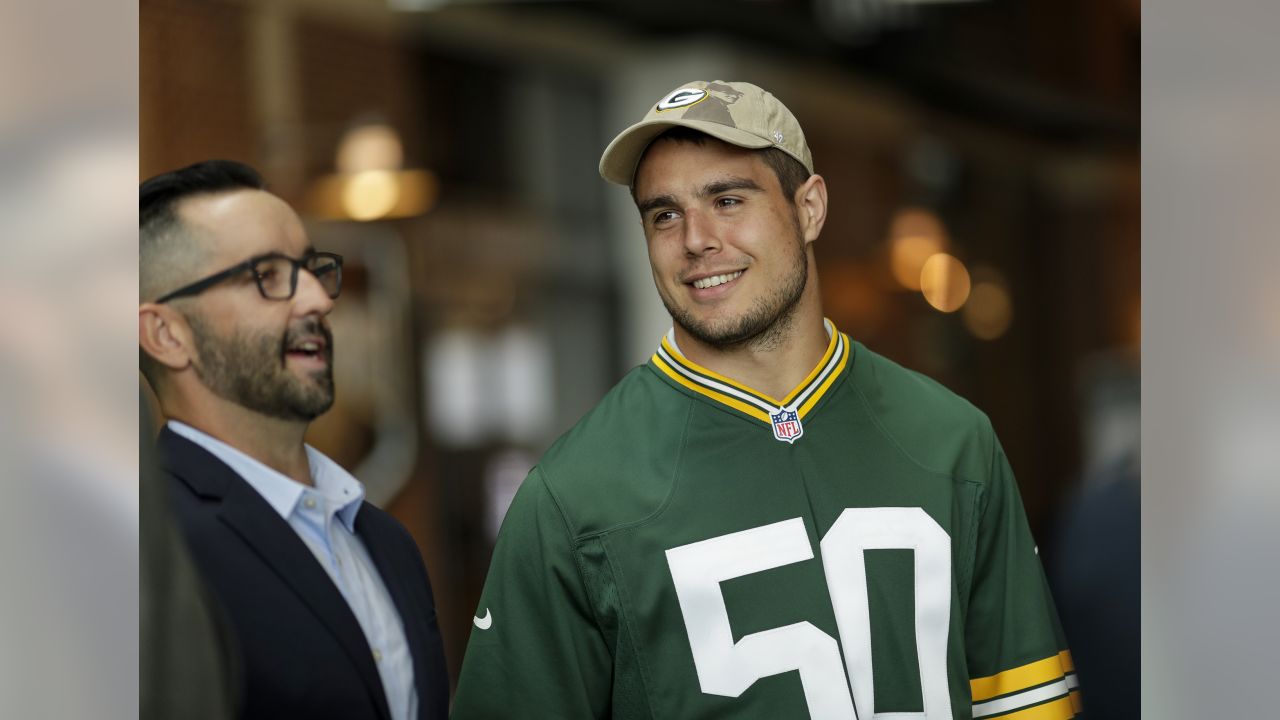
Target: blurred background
1026, 93
982, 159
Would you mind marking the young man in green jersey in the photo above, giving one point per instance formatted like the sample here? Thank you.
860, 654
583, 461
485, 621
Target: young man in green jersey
767, 520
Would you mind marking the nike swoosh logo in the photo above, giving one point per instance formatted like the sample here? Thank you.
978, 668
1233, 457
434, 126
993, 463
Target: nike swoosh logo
485, 622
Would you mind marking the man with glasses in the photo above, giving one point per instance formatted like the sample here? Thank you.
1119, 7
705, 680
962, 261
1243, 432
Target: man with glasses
326, 596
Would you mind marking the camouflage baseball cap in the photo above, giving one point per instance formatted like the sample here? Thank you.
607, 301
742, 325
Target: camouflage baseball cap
738, 113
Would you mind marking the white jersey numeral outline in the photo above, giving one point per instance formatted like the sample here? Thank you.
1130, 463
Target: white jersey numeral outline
727, 668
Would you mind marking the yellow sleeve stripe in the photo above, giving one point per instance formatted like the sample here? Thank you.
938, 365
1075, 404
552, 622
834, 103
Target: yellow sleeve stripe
1019, 678
1060, 709
727, 400
1067, 664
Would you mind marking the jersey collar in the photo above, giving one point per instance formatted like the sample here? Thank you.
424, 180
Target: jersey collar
670, 362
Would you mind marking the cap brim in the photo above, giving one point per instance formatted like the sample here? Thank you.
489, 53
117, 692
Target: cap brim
619, 161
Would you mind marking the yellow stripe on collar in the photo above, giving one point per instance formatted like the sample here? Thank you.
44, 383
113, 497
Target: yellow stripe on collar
751, 402
832, 344
831, 377
732, 402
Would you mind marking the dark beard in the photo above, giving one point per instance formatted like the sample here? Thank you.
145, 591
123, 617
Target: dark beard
250, 371
766, 325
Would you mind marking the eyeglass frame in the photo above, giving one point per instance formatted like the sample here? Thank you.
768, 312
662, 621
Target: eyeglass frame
203, 284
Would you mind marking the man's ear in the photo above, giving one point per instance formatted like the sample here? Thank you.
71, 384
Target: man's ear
811, 207
165, 335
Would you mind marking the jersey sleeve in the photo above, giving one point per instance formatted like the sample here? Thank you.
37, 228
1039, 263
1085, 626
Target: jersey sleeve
1019, 664
535, 648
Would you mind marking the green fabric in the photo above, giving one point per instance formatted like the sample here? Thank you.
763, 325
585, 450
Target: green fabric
586, 619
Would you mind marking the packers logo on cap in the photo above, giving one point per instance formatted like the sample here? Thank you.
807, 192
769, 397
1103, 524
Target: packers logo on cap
737, 113
684, 97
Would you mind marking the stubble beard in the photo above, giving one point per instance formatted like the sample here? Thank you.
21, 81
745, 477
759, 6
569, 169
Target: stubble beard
249, 370
765, 326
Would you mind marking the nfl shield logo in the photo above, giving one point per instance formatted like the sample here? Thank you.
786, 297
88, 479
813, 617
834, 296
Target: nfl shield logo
786, 425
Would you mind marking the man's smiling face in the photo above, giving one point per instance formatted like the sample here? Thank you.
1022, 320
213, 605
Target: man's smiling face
728, 255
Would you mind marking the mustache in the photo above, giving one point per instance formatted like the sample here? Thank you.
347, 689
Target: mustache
309, 327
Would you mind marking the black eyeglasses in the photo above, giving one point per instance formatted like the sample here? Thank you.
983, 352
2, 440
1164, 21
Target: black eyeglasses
275, 274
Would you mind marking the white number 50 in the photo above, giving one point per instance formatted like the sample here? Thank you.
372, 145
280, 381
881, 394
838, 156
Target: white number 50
728, 668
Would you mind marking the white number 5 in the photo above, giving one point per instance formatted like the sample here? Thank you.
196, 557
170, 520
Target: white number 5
728, 668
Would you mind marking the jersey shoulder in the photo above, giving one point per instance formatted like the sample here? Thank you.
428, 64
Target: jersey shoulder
933, 426
616, 465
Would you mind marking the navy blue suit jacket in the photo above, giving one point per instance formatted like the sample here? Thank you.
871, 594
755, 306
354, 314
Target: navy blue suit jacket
301, 648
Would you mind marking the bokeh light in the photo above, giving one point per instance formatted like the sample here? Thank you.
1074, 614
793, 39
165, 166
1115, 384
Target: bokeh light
989, 311
915, 235
373, 195
370, 147
944, 281
370, 194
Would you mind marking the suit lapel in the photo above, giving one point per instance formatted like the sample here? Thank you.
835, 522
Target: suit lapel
273, 540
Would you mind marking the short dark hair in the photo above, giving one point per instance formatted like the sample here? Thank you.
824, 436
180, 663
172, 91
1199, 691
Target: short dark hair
163, 247
790, 172
158, 195
167, 251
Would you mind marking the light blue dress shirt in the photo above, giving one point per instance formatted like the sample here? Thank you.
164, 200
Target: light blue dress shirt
324, 517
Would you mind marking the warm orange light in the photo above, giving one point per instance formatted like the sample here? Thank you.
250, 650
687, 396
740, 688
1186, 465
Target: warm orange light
908, 255
370, 147
944, 281
374, 195
989, 311
915, 235
916, 221
370, 184
371, 194
418, 190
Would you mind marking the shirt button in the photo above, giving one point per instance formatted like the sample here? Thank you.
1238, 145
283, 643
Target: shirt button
310, 503
377, 655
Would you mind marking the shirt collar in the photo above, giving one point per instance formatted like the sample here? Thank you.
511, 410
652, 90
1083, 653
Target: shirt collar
339, 488
670, 362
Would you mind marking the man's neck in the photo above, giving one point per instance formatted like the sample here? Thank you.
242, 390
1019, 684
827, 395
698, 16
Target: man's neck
276, 443
774, 368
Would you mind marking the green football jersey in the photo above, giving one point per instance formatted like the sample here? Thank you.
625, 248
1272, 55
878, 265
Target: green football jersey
695, 549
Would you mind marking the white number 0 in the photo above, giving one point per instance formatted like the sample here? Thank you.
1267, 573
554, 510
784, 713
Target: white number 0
728, 668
